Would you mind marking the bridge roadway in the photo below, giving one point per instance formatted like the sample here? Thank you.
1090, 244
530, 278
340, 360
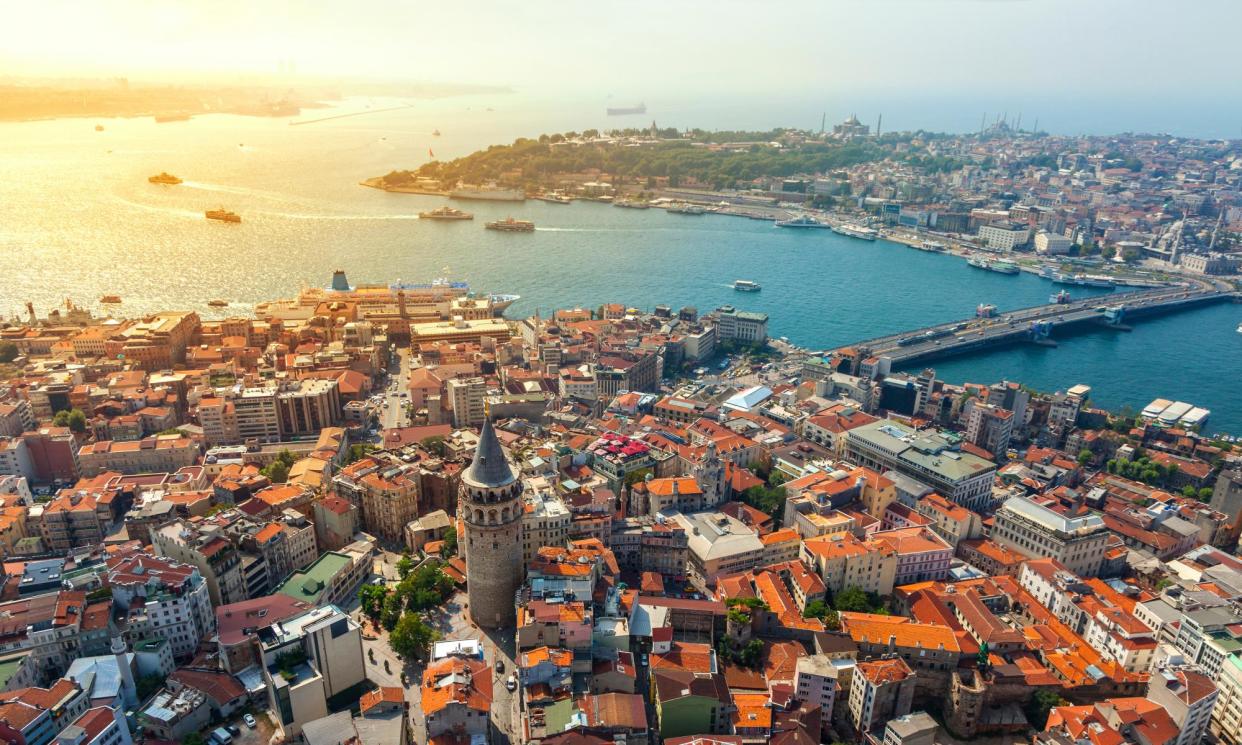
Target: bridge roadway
974, 334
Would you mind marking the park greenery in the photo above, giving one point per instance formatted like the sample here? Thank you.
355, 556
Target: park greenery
399, 610
677, 156
1142, 469
8, 351
74, 419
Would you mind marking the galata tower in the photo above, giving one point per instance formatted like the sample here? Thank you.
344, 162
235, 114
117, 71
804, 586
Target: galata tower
491, 503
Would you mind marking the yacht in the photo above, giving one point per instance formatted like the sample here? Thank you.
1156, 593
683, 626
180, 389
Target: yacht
746, 285
802, 221
857, 231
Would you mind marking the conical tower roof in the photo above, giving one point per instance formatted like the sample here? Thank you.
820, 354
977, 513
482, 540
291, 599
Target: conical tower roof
489, 467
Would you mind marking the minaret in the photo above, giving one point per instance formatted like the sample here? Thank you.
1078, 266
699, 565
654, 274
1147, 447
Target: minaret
129, 692
491, 503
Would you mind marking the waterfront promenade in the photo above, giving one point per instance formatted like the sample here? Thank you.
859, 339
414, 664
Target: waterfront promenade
1035, 324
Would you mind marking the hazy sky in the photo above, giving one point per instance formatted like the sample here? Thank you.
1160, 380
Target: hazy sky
1141, 48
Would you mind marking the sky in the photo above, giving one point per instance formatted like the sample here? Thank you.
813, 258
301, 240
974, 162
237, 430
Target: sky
1141, 54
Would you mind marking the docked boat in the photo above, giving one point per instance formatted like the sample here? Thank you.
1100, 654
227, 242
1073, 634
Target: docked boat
445, 213
1003, 266
1081, 280
163, 177
802, 221
223, 215
932, 246
218, 303
746, 285
631, 204
489, 194
1061, 298
554, 198
110, 299
857, 231
686, 209
165, 118
510, 225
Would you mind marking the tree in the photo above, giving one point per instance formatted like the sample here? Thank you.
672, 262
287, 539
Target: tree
450, 543
390, 612
434, 445
752, 654
8, 352
853, 599
371, 598
278, 470
1084, 456
358, 451
411, 637
404, 566
148, 685
74, 419
1042, 703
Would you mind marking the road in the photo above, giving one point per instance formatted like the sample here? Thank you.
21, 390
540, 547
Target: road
393, 413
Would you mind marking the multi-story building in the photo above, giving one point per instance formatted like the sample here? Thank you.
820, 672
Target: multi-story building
626, 370
102, 725
336, 521
1051, 244
845, 561
257, 414
154, 454
238, 625
951, 522
162, 599
333, 578
546, 521
815, 681
387, 491
880, 690
465, 397
39, 714
932, 457
308, 659
218, 418
456, 698
1207, 636
209, 551
718, 544
1031, 528
1226, 715
49, 626
53, 454
77, 517
305, 407
1005, 236
922, 555
741, 325
15, 458
989, 427
16, 417
829, 427
156, 342
1188, 695
650, 544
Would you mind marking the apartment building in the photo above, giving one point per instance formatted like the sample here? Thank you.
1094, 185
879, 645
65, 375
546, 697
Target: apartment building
210, 551
1034, 529
465, 396
162, 600
154, 454
932, 457
387, 491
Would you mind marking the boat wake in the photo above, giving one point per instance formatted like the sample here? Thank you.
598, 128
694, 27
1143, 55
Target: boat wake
191, 214
305, 216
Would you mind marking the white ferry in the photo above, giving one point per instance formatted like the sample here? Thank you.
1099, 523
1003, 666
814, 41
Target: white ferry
802, 221
857, 231
746, 285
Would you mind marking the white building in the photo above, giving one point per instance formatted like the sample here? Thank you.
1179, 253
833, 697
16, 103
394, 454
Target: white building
1189, 696
466, 400
815, 681
162, 600
1051, 244
740, 325
1035, 530
1004, 237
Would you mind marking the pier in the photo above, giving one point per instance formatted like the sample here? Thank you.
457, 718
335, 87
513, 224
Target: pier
1036, 324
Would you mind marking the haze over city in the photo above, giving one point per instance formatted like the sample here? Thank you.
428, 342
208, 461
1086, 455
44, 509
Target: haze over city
645, 373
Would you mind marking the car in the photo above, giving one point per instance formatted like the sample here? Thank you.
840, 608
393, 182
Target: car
233, 729
249, 720
511, 683
499, 666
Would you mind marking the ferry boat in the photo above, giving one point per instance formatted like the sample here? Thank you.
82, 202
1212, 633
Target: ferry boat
1060, 298
857, 231
977, 262
489, 194
554, 198
1240, 328
164, 177
445, 213
218, 303
1003, 266
631, 204
223, 215
802, 221
932, 246
1081, 280
509, 225
686, 209
746, 285
110, 299
164, 118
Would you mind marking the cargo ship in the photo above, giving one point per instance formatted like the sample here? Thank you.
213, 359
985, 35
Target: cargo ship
802, 221
627, 110
223, 215
489, 194
857, 231
163, 177
510, 225
445, 213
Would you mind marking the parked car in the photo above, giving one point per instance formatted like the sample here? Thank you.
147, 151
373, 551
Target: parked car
249, 720
233, 729
499, 666
511, 683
